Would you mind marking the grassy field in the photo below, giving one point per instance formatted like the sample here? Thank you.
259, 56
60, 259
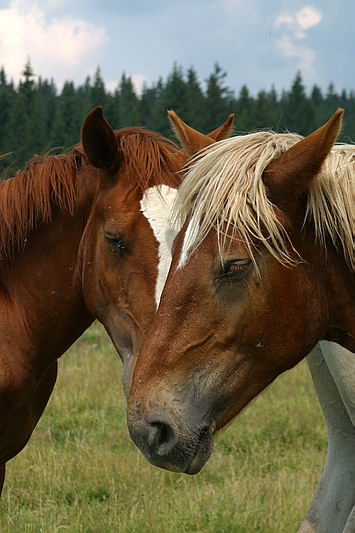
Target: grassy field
81, 473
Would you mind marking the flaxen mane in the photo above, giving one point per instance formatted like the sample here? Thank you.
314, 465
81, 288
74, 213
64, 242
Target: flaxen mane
223, 189
27, 199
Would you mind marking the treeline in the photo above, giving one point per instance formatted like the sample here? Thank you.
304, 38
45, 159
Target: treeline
35, 118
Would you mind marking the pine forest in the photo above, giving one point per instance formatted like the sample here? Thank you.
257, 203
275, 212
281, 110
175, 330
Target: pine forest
35, 118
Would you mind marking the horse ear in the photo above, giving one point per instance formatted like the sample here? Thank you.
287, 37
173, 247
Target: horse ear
98, 140
291, 174
192, 141
224, 131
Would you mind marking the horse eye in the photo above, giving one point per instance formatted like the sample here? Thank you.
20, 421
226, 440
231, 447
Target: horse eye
116, 242
235, 266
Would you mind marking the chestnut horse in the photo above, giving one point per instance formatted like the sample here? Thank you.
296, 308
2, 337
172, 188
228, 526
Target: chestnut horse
79, 239
262, 270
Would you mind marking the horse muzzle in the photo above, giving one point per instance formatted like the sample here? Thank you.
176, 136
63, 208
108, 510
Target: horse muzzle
171, 446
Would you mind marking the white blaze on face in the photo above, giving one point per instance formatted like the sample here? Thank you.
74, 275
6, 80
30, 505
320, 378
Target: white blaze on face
156, 206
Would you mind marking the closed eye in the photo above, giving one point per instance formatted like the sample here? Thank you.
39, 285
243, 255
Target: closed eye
116, 242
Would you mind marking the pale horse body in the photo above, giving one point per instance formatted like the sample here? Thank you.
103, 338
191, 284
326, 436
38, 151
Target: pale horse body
333, 372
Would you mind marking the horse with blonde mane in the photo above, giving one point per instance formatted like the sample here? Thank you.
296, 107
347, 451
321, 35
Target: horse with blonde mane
82, 236
262, 269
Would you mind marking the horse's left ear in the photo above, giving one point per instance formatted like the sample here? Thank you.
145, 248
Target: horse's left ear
291, 174
192, 141
98, 140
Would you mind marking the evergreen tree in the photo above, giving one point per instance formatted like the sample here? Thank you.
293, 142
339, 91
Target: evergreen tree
264, 111
218, 99
47, 103
174, 94
112, 108
128, 104
173, 97
27, 84
298, 113
147, 107
349, 122
26, 125
273, 98
70, 113
276, 110
97, 90
152, 116
244, 110
316, 96
84, 93
332, 99
195, 101
7, 95
35, 118
319, 107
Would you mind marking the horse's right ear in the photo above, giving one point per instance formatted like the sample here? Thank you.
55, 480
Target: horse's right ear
224, 131
192, 141
98, 140
290, 176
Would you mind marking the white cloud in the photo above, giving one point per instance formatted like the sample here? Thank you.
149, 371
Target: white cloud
295, 26
27, 5
63, 48
306, 56
308, 16
297, 23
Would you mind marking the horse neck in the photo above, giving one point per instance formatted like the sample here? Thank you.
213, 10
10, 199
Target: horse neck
40, 298
341, 305
339, 292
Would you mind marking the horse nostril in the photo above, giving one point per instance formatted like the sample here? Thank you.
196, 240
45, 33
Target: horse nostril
161, 437
153, 435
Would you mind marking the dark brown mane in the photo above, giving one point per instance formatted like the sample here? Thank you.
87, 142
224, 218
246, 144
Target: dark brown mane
26, 200
149, 157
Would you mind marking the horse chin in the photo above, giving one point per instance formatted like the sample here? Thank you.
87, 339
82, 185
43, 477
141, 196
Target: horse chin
200, 458
203, 451
191, 466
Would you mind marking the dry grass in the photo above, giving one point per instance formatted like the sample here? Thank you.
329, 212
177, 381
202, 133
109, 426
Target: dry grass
81, 473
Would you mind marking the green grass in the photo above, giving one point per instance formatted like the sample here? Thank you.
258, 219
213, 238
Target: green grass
81, 473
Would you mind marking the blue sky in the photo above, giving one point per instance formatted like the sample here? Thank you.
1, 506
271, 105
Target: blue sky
257, 42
